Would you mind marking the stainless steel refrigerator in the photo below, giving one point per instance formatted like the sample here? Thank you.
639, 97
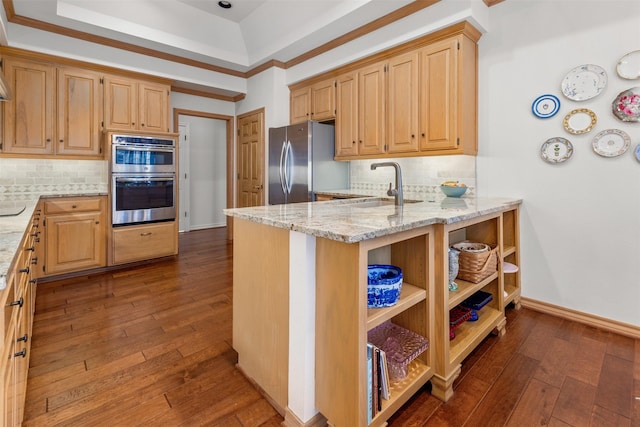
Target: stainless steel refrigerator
301, 163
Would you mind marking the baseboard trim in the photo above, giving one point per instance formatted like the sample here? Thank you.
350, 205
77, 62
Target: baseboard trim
291, 420
264, 394
621, 328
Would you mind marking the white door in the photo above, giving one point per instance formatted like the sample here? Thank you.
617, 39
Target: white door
183, 181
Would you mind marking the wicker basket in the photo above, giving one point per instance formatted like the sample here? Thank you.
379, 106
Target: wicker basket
475, 267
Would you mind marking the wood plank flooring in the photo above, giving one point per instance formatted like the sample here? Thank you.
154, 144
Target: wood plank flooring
151, 346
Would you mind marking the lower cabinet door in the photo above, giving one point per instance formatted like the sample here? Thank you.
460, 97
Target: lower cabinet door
74, 242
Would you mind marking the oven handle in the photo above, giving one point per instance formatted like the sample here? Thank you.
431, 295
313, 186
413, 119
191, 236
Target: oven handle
143, 178
145, 148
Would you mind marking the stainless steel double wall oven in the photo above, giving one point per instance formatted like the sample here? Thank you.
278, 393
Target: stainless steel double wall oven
143, 179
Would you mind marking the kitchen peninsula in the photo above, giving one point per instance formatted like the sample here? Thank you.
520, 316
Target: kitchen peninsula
300, 317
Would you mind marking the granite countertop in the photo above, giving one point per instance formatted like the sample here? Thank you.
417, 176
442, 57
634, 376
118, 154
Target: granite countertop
353, 220
12, 229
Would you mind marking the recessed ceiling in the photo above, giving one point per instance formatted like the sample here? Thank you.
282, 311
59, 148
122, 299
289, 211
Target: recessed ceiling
242, 37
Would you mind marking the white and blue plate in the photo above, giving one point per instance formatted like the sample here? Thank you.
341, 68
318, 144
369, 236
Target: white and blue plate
638, 152
545, 106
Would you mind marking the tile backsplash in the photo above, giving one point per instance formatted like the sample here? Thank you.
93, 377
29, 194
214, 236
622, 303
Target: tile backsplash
26, 179
419, 174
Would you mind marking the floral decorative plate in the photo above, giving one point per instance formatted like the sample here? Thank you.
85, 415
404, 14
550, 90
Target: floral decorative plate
579, 121
545, 106
584, 82
629, 66
611, 142
626, 106
556, 150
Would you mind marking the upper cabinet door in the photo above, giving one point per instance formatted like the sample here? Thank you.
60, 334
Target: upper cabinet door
79, 112
347, 115
29, 116
402, 104
300, 105
371, 109
323, 100
120, 103
153, 104
438, 118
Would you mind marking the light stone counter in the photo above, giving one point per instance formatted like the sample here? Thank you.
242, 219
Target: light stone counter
353, 220
12, 230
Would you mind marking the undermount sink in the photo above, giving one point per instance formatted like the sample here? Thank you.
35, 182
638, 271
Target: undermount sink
380, 202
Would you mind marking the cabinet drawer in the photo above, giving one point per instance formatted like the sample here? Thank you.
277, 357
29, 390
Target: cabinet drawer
137, 243
72, 205
9, 308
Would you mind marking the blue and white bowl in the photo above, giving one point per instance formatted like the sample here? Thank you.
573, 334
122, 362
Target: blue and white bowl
384, 285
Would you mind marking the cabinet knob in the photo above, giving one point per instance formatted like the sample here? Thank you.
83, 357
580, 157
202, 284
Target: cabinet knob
423, 134
74, 206
360, 141
24, 338
32, 249
133, 123
22, 353
412, 136
24, 270
97, 222
48, 139
61, 141
142, 124
353, 142
18, 303
33, 281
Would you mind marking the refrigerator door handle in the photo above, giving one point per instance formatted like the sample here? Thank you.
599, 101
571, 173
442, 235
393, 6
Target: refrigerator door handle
281, 167
288, 158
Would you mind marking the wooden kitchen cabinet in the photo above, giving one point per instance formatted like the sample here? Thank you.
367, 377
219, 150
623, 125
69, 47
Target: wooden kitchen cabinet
131, 104
417, 99
18, 303
74, 234
360, 112
343, 321
79, 112
142, 242
55, 111
315, 102
28, 123
498, 229
448, 117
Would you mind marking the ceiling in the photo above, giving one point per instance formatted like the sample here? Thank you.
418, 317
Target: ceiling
243, 37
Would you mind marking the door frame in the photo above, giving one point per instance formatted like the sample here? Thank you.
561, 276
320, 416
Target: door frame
230, 150
184, 172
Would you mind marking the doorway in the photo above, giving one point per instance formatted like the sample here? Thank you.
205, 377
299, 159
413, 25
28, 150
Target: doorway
205, 168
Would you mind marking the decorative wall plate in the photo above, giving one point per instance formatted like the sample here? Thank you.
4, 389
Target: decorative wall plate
637, 153
556, 150
629, 66
584, 82
579, 121
545, 106
626, 106
611, 142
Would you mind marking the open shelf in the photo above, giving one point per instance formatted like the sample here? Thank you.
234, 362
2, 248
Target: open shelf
469, 334
409, 296
508, 250
512, 292
466, 289
401, 391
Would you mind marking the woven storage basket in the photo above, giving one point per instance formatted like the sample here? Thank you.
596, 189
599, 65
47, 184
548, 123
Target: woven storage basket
475, 267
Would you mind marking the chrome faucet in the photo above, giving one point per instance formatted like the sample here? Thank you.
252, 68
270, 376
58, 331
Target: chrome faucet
395, 192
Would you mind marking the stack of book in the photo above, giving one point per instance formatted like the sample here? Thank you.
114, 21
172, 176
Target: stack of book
378, 386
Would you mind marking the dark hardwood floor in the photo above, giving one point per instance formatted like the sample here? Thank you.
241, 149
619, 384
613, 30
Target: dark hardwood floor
151, 346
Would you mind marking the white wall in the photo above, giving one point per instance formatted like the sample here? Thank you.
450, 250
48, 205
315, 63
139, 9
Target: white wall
580, 235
